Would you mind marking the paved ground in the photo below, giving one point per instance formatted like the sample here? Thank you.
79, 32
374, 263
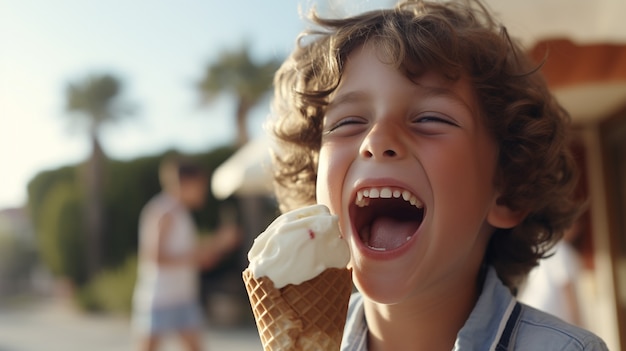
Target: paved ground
54, 327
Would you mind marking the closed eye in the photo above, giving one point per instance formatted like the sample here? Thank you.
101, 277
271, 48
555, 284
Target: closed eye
344, 123
432, 124
433, 119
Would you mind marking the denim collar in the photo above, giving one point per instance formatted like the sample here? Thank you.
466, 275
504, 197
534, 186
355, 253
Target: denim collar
482, 330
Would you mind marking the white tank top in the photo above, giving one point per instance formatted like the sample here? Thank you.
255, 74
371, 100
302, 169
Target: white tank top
161, 286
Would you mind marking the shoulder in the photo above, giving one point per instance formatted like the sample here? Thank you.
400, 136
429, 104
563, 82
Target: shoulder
160, 204
355, 331
538, 330
356, 303
355, 320
156, 202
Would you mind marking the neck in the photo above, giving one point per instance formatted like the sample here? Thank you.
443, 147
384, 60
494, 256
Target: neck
422, 322
174, 194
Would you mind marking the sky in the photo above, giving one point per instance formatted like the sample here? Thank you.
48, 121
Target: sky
158, 48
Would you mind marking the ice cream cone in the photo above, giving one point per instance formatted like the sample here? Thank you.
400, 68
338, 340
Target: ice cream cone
303, 317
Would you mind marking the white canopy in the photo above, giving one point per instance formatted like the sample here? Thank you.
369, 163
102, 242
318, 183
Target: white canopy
247, 172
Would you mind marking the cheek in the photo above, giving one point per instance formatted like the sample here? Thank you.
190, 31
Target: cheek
464, 180
322, 188
329, 180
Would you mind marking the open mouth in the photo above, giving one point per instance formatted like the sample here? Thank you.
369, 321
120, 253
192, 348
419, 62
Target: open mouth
386, 218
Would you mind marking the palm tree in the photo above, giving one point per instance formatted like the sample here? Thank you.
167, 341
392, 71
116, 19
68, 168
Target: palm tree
94, 101
236, 73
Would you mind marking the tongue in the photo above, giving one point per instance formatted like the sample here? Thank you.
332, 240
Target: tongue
388, 233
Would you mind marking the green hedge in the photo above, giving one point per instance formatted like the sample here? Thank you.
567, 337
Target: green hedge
61, 239
111, 290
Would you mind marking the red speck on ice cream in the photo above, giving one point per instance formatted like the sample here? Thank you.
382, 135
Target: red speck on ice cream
311, 234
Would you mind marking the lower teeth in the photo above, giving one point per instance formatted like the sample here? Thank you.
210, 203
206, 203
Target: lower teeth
384, 249
377, 248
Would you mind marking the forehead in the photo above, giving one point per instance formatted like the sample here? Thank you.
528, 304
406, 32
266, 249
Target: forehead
195, 180
366, 70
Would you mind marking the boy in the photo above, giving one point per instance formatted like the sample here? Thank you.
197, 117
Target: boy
436, 142
166, 293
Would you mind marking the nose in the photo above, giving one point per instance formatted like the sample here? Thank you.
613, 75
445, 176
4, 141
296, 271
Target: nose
382, 143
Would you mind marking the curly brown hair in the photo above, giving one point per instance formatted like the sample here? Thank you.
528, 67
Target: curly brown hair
536, 173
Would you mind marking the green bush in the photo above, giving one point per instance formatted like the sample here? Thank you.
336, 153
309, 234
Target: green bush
111, 290
55, 201
40, 186
61, 238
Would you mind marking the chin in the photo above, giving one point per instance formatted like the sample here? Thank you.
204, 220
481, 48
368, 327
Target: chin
384, 283
380, 293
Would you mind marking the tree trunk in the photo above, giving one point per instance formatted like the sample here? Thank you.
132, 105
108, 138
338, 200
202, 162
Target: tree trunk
94, 220
243, 108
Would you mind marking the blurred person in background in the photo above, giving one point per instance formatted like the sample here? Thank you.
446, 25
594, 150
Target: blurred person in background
166, 297
552, 285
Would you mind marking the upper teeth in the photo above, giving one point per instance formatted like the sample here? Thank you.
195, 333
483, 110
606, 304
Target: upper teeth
363, 196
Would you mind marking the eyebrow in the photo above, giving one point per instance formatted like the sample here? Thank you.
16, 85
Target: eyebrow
347, 98
435, 91
428, 91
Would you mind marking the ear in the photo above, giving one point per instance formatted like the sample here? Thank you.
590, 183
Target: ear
502, 216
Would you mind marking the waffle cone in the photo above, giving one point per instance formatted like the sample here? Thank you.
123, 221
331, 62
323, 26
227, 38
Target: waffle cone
303, 317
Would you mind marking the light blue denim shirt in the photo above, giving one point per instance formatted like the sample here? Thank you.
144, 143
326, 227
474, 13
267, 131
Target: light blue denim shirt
498, 322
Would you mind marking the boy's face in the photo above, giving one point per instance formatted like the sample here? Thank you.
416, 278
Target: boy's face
409, 168
193, 192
